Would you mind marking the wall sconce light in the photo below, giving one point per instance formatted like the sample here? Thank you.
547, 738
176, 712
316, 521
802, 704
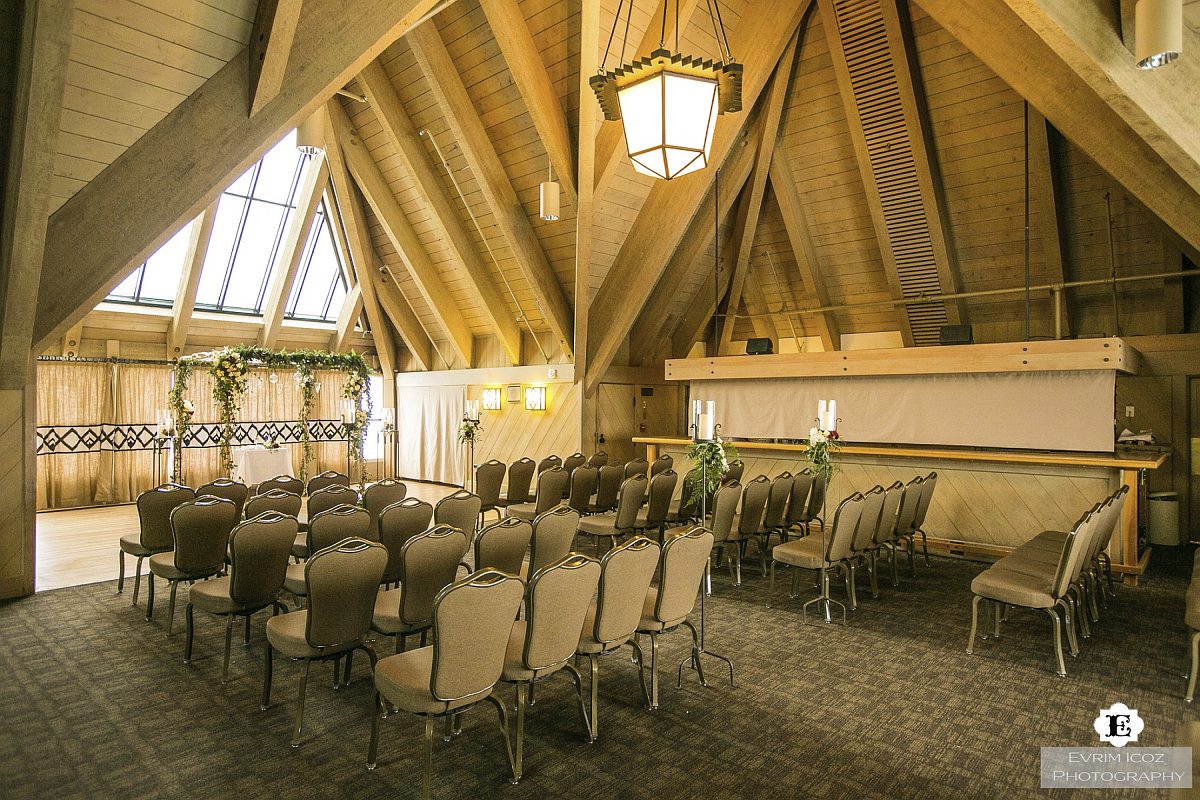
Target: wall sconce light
491, 399
513, 393
535, 398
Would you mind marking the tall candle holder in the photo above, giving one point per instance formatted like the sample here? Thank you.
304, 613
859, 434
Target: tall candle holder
387, 445
704, 430
822, 435
467, 433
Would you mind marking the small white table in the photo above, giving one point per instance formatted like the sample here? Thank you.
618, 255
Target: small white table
254, 463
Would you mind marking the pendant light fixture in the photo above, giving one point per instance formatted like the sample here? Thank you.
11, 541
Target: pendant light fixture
668, 102
1157, 32
310, 136
548, 196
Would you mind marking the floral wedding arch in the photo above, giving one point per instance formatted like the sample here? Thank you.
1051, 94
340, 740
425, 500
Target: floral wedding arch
230, 367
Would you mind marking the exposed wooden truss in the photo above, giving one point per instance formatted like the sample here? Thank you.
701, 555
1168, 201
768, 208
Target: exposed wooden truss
127, 211
189, 281
270, 47
351, 311
587, 161
477, 148
399, 130
872, 60
1045, 205
671, 205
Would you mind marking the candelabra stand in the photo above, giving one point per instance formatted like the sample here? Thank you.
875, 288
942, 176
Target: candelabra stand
175, 455
387, 464
824, 599
693, 660
157, 445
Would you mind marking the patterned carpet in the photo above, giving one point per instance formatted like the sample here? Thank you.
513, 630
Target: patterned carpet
97, 703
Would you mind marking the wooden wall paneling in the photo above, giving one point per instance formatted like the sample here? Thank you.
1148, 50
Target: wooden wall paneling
514, 433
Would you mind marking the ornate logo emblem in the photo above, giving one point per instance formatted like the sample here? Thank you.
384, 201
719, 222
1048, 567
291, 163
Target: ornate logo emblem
1118, 725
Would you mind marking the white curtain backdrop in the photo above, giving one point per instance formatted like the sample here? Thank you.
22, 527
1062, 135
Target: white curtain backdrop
427, 420
1030, 410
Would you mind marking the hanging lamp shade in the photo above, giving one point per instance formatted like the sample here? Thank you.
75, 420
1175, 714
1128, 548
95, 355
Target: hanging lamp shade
1157, 32
548, 200
668, 104
310, 136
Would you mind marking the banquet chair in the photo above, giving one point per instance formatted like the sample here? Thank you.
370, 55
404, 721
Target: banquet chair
862, 541
667, 605
612, 619
584, 480
550, 485
154, 507
459, 510
654, 516
889, 515
277, 500
807, 552
607, 487
520, 478
329, 477
380, 495
341, 582
622, 521
918, 525
488, 478
748, 520
326, 529
284, 482
557, 601
200, 533
502, 545
686, 508
259, 549
574, 460
472, 620
549, 462
904, 523
552, 539
428, 564
319, 501
398, 523
736, 468
719, 523
598, 459
803, 514
637, 466
661, 464
797, 508
231, 490
774, 516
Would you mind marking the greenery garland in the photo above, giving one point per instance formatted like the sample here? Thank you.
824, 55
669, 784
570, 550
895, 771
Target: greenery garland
230, 366
710, 463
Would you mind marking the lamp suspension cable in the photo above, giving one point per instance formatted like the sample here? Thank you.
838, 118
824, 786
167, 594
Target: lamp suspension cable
1028, 275
521, 315
716, 261
784, 307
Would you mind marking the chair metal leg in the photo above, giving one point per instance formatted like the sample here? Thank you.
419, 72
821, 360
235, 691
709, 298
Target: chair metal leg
1056, 625
1069, 622
346, 671
137, 579
578, 680
594, 729
495, 701
373, 746
924, 547
848, 572
427, 771
1191, 687
912, 548
246, 638
519, 753
872, 567
895, 567
1091, 582
300, 704
171, 609
187, 645
121, 572
653, 672
228, 641
266, 694
149, 596
997, 611
337, 673
974, 624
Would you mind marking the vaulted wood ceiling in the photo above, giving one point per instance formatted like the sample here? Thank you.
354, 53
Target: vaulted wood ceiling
877, 157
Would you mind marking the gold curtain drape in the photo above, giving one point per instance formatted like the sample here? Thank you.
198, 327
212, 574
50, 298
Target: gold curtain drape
94, 394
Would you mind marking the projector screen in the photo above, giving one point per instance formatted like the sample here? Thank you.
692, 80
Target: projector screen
1021, 410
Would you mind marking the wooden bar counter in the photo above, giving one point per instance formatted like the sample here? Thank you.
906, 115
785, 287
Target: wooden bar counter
987, 501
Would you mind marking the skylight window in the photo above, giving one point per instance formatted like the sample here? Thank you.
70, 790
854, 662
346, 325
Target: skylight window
156, 280
320, 285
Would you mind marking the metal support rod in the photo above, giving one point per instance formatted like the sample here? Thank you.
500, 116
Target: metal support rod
1057, 294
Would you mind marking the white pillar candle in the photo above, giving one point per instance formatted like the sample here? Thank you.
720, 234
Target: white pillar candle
833, 415
822, 409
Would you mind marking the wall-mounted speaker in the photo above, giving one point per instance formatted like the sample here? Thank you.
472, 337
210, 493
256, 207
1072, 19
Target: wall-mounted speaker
956, 334
759, 347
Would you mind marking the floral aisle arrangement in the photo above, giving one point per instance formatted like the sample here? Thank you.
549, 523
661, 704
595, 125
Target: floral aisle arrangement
469, 431
710, 462
823, 442
230, 368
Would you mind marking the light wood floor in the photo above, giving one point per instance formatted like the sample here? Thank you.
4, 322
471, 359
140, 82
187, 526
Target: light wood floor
79, 546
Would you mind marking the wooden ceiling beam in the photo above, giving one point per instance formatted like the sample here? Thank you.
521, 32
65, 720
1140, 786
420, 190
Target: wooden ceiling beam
400, 233
495, 185
1142, 128
759, 41
270, 46
189, 282
761, 317
308, 200
529, 73
352, 310
399, 130
1046, 208
357, 253
610, 142
772, 114
588, 129
40, 48
127, 211
795, 223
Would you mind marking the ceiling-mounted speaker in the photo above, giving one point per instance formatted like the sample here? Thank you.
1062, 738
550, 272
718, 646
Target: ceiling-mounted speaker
759, 347
956, 334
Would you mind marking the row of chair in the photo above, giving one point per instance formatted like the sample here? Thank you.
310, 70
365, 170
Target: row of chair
1063, 573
